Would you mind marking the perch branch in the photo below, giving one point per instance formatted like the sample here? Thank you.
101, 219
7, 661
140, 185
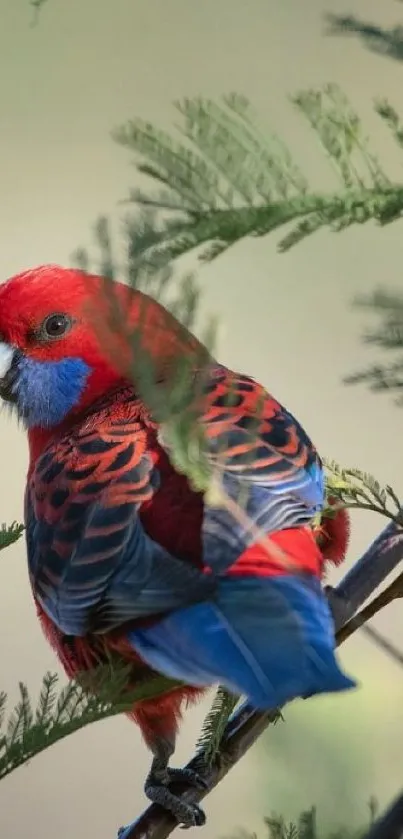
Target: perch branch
246, 725
390, 825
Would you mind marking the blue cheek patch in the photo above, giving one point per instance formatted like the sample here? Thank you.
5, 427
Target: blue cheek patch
47, 390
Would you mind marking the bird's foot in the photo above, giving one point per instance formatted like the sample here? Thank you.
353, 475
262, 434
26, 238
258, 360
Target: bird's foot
157, 790
189, 776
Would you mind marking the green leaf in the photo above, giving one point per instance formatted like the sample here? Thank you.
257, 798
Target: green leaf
355, 489
10, 534
231, 179
27, 731
223, 706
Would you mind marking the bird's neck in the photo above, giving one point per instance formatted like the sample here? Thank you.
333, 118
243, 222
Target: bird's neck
40, 438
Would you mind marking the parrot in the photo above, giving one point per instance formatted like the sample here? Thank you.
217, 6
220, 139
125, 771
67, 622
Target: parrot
124, 555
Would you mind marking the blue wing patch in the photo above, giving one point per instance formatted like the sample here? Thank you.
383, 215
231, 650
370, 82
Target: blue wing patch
271, 640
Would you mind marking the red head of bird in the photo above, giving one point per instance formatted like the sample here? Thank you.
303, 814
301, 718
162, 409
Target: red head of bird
66, 341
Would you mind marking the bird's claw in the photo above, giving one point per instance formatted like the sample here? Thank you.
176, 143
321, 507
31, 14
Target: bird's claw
196, 817
186, 814
157, 790
189, 775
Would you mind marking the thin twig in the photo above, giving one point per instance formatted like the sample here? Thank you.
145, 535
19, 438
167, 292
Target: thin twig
367, 574
246, 725
392, 592
384, 644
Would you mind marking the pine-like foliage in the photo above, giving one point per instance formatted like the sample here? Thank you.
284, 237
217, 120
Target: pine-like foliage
305, 827
223, 706
28, 730
10, 534
354, 489
220, 178
388, 336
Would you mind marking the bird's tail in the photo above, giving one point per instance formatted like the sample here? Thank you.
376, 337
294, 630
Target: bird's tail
268, 635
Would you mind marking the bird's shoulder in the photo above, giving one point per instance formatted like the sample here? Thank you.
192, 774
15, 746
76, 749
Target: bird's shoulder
111, 460
111, 450
257, 432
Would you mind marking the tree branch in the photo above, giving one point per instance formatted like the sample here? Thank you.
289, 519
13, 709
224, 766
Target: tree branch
246, 725
390, 825
367, 574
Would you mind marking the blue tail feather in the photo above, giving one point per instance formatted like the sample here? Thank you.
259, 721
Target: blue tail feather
270, 640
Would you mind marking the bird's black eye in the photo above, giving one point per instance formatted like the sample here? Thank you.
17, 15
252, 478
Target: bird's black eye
55, 326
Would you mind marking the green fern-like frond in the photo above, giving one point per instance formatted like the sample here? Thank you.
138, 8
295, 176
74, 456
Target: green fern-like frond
278, 828
391, 118
171, 164
305, 827
307, 824
342, 137
10, 534
355, 489
27, 731
227, 179
47, 700
381, 377
387, 306
223, 706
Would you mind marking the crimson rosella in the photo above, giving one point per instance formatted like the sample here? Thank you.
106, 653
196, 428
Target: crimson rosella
123, 554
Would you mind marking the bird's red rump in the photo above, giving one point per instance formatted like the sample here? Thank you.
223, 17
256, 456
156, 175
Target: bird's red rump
297, 543
333, 535
158, 717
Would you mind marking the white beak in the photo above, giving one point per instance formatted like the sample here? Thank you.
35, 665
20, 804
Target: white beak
6, 358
